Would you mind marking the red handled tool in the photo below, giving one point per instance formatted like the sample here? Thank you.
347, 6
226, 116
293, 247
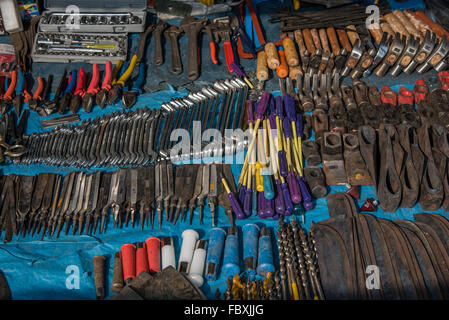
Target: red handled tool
444, 79
405, 96
89, 95
141, 258
7, 97
387, 95
128, 251
420, 91
153, 246
35, 99
102, 95
75, 101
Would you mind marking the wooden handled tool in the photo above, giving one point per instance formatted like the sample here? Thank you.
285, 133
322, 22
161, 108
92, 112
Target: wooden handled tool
291, 54
282, 70
396, 24
344, 40
435, 27
262, 67
352, 34
333, 40
273, 61
376, 34
407, 24
417, 22
387, 28
316, 38
309, 41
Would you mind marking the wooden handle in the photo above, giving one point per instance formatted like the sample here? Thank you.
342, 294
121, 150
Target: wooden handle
377, 34
290, 52
262, 68
435, 27
282, 70
417, 22
352, 34
396, 25
300, 42
386, 28
344, 40
406, 22
309, 41
316, 38
333, 40
272, 56
294, 71
324, 40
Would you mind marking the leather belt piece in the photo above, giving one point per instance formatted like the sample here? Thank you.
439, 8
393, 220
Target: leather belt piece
411, 257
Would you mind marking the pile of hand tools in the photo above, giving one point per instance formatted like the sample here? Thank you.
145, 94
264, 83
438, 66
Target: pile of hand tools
399, 41
48, 201
363, 257
140, 137
378, 138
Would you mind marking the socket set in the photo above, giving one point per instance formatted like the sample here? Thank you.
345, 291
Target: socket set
80, 47
93, 16
102, 22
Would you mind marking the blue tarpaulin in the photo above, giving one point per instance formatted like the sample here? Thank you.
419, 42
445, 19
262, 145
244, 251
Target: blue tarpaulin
44, 269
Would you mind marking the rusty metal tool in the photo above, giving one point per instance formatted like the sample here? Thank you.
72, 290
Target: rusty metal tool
172, 34
102, 95
76, 99
192, 26
92, 90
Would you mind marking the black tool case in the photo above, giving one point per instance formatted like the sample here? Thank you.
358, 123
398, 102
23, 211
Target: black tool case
89, 31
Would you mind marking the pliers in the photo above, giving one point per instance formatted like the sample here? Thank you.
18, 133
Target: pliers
118, 86
7, 97
89, 95
75, 101
17, 100
102, 95
34, 100
129, 98
65, 99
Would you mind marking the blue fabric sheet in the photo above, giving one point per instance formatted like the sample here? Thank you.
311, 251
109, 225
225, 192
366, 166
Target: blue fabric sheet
37, 269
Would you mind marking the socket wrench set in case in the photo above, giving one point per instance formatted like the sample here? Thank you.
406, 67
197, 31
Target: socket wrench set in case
91, 31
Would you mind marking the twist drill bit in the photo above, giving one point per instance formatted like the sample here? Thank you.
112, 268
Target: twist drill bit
228, 293
312, 263
277, 281
282, 267
300, 257
294, 268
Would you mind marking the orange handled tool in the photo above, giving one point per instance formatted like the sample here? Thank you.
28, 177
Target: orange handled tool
282, 70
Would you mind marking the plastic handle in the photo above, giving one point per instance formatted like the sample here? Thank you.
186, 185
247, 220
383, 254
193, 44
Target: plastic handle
93, 85
242, 192
229, 55
272, 106
279, 107
254, 203
231, 261
153, 246
295, 192
236, 206
289, 105
287, 200
250, 246
213, 54
287, 128
128, 252
40, 88
250, 111
306, 196
265, 261
259, 182
405, 96
260, 205
247, 202
141, 259
262, 105
279, 200
282, 164
106, 85
21, 82
299, 125
72, 82
269, 207
272, 119
140, 81
81, 85
267, 186
125, 76
214, 252
237, 69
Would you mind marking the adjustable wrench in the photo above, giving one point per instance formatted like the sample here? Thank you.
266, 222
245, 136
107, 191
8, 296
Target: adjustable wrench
172, 35
157, 35
192, 26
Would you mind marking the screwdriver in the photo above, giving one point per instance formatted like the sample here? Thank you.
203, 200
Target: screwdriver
232, 199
